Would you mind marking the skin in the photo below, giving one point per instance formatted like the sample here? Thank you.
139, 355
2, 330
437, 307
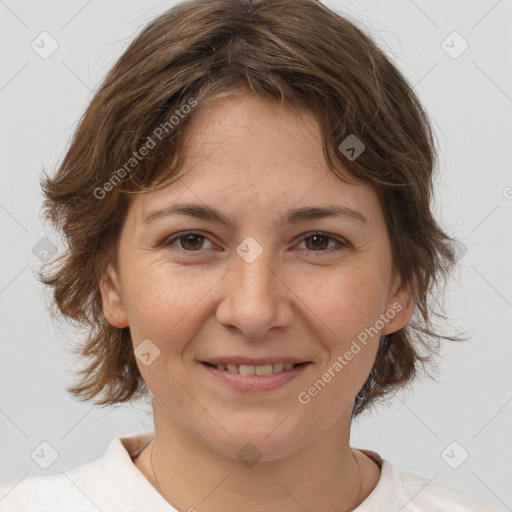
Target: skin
253, 160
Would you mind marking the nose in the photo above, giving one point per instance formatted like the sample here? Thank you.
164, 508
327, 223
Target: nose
255, 296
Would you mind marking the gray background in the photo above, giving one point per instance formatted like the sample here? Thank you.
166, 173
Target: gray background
469, 98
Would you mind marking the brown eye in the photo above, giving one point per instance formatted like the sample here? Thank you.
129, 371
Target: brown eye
315, 242
190, 242
319, 242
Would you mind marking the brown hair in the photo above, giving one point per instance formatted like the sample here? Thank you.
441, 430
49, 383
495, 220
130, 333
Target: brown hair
297, 51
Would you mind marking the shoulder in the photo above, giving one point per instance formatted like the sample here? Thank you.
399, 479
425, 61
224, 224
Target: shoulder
401, 490
111, 483
81, 489
428, 494
65, 491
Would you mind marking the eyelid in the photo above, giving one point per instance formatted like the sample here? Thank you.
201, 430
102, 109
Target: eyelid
342, 243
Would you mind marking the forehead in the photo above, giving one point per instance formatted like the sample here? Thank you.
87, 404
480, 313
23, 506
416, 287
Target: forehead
245, 153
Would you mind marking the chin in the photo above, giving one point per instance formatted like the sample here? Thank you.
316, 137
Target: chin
257, 441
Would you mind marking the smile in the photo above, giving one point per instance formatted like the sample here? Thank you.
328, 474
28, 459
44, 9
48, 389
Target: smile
248, 369
261, 377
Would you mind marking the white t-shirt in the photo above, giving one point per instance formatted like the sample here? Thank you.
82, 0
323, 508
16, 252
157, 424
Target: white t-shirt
114, 484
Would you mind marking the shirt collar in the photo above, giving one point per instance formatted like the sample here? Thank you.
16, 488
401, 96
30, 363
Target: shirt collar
134, 488
127, 480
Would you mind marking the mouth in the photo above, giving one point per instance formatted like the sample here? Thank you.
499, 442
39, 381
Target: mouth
262, 376
249, 369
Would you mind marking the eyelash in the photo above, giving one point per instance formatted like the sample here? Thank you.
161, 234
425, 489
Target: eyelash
341, 243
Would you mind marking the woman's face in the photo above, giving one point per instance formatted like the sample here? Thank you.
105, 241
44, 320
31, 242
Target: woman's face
278, 282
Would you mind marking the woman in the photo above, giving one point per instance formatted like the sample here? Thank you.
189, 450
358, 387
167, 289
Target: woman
247, 207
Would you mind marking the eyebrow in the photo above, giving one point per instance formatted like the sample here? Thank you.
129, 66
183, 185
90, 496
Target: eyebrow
293, 216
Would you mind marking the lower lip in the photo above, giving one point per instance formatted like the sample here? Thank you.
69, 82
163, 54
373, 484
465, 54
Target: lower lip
255, 382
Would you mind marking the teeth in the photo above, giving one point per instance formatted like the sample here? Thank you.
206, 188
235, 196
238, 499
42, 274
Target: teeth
248, 369
265, 369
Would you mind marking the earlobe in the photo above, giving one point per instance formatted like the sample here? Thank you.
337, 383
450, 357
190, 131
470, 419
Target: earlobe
113, 307
400, 309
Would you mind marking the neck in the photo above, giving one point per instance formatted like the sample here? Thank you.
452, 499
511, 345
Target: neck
190, 475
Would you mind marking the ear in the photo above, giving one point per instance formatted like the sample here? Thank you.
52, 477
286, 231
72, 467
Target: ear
401, 301
113, 307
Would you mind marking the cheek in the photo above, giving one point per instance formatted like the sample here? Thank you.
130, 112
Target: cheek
167, 307
349, 304
160, 298
163, 308
347, 301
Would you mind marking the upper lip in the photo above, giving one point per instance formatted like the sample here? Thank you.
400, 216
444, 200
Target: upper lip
254, 361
